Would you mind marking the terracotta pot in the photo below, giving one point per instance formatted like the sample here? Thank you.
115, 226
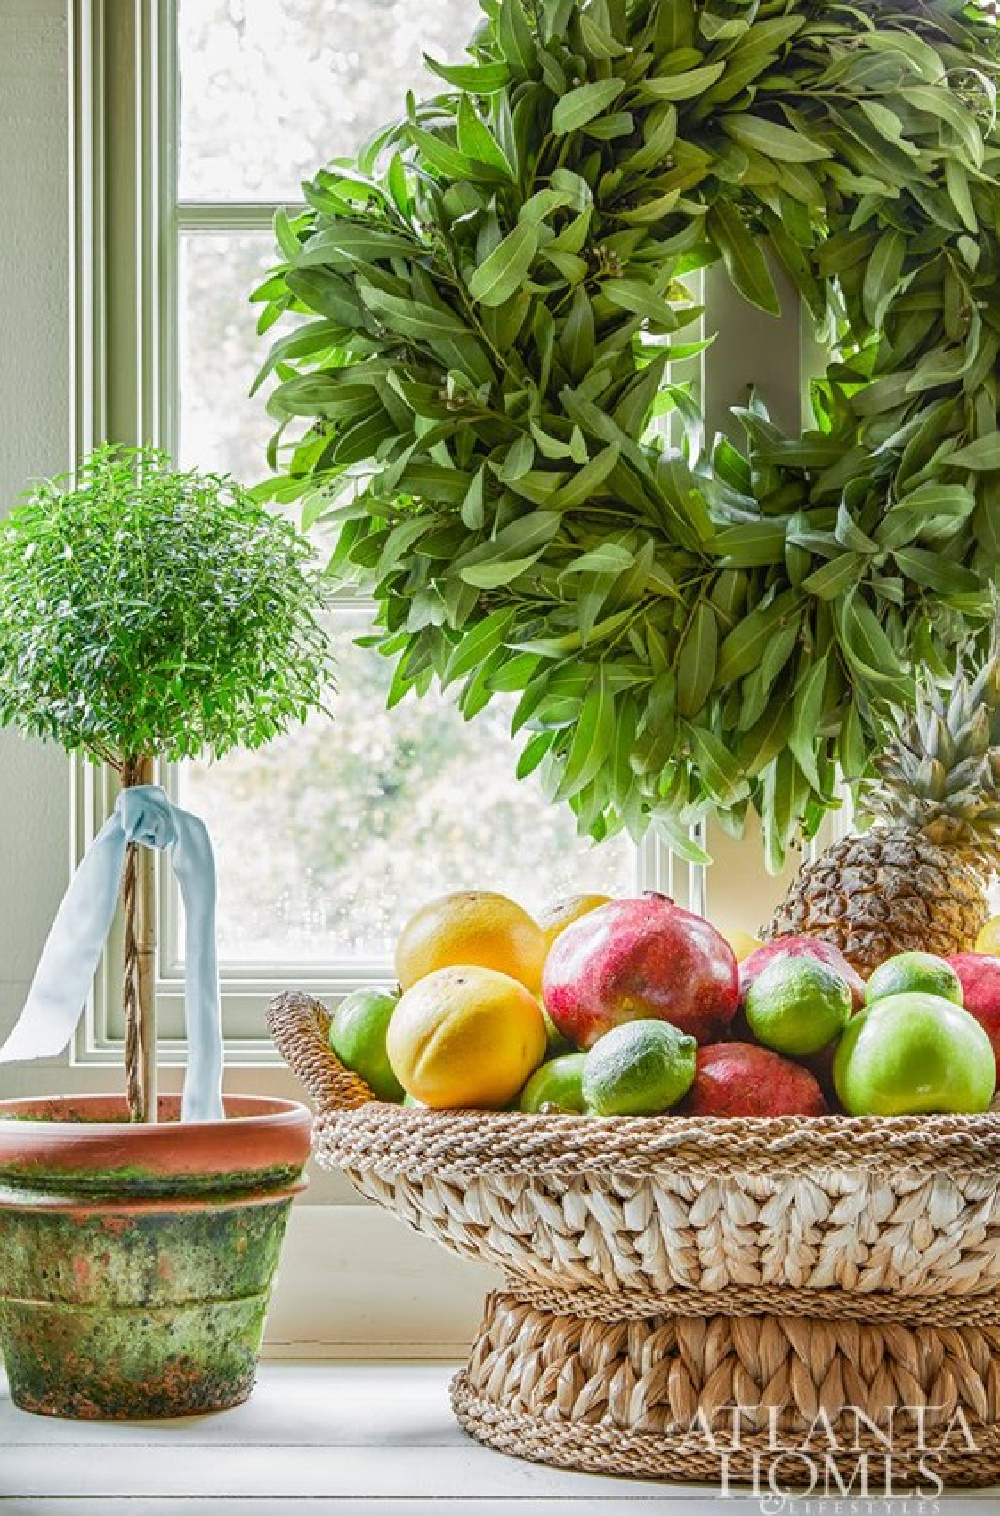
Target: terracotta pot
136, 1261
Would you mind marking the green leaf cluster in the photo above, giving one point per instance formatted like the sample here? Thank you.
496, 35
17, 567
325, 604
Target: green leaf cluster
489, 300
150, 613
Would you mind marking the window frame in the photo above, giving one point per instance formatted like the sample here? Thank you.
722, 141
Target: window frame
128, 228
130, 220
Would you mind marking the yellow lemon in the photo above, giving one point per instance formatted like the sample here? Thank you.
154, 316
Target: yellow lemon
562, 913
742, 943
988, 940
471, 926
466, 1036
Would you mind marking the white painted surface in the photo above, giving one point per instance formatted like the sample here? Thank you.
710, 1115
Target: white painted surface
325, 1438
35, 407
354, 1282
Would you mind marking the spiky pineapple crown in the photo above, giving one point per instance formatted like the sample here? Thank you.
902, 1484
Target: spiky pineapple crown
940, 771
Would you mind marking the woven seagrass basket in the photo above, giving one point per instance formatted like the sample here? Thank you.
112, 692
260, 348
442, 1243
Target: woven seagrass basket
688, 1298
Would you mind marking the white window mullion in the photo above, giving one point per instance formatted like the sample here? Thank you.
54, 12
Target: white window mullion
231, 216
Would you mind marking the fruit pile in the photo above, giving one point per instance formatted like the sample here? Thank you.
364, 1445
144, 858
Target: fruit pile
636, 1007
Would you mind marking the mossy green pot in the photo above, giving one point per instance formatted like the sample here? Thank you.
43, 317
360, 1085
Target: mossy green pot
136, 1262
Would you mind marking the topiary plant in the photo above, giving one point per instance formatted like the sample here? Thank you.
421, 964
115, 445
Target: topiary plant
149, 614
498, 287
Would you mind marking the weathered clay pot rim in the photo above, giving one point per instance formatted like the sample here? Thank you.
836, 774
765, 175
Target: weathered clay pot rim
170, 1202
26, 1111
53, 1137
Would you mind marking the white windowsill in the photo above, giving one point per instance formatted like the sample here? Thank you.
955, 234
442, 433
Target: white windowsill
335, 1438
321, 1438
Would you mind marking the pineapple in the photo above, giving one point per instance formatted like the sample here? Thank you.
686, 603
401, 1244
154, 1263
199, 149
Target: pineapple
917, 878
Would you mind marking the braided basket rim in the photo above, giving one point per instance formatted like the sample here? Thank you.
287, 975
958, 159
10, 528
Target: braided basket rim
355, 1128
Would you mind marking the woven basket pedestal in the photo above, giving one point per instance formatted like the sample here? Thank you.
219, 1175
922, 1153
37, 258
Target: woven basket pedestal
700, 1299
657, 1396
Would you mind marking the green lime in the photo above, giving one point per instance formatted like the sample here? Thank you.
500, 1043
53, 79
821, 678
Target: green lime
914, 971
558, 1083
913, 1054
639, 1069
357, 1036
798, 1005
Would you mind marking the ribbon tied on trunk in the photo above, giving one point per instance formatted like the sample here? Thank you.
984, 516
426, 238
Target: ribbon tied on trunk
146, 815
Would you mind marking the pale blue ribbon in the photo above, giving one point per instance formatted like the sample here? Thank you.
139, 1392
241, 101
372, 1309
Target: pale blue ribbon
144, 814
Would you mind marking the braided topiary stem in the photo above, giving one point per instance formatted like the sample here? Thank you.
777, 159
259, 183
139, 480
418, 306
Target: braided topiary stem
137, 985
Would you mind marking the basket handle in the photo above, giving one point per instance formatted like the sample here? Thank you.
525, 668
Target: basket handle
299, 1026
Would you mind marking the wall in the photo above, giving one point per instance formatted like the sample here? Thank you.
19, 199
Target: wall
34, 439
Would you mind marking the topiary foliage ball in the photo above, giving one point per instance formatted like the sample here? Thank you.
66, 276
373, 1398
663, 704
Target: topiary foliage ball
497, 288
150, 613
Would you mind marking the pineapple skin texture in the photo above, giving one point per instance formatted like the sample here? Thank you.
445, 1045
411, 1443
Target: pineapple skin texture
891, 890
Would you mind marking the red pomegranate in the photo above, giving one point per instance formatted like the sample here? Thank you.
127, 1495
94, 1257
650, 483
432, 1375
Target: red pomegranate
980, 976
636, 959
742, 1079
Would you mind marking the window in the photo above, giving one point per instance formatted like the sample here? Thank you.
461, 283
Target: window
206, 116
193, 120
363, 819
330, 838
327, 840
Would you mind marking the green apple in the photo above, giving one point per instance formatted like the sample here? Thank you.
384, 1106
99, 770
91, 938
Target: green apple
913, 1054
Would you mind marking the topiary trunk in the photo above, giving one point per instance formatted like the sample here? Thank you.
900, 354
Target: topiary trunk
138, 989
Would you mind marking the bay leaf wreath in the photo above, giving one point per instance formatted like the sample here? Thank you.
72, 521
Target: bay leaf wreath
495, 289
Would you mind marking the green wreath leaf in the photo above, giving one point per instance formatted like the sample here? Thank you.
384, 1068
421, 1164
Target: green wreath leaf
683, 86
477, 78
593, 738
583, 104
981, 455
498, 277
696, 660
745, 263
773, 140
